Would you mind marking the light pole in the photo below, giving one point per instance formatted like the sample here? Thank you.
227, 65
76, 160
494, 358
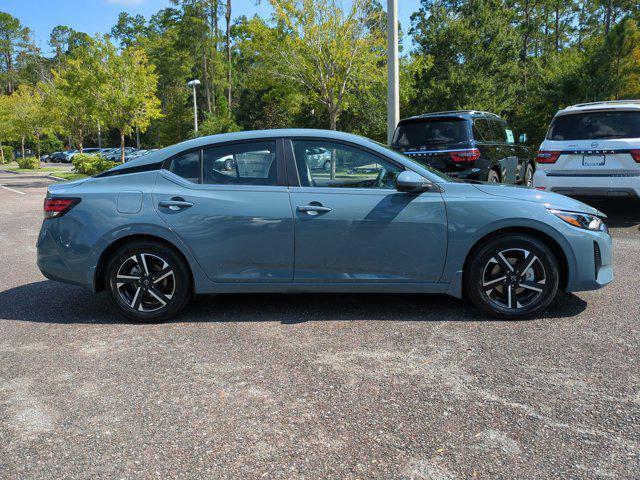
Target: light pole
393, 82
193, 84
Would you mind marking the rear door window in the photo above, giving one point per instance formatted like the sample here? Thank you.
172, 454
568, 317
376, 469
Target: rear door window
482, 131
432, 131
187, 166
595, 126
250, 163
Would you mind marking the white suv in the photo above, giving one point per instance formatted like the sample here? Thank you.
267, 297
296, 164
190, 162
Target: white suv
592, 149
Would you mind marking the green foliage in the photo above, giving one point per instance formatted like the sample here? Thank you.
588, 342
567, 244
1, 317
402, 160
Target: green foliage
7, 154
50, 143
214, 124
129, 96
29, 162
91, 164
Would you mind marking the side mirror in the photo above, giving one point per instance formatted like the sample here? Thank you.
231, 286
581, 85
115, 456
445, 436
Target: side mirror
411, 182
522, 138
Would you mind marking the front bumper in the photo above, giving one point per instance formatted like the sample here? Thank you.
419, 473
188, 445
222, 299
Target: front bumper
589, 185
593, 261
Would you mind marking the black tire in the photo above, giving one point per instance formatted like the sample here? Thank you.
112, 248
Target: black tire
501, 298
528, 176
493, 177
161, 294
326, 166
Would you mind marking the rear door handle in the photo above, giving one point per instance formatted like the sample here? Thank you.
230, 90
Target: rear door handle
313, 209
175, 204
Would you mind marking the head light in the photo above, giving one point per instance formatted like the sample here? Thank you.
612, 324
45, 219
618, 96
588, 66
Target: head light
581, 220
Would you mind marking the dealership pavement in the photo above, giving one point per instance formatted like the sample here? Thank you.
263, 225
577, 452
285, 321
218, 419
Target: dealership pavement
313, 386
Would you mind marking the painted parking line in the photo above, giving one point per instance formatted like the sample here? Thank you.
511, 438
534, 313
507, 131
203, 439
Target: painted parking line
12, 190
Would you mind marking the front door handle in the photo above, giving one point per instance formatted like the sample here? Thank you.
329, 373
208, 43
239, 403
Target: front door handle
313, 209
175, 204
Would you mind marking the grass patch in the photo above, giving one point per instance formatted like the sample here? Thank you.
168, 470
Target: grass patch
69, 176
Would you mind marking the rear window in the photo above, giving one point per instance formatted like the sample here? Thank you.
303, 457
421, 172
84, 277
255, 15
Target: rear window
431, 132
595, 126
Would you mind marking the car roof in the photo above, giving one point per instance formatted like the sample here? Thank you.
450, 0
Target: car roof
168, 152
611, 105
450, 113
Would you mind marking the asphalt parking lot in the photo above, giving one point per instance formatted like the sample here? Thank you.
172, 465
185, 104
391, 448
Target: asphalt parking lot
313, 386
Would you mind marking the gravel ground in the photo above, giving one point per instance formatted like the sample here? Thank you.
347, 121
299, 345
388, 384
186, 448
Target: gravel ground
313, 386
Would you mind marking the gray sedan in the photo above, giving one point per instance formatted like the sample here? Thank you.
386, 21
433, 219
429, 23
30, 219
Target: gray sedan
176, 222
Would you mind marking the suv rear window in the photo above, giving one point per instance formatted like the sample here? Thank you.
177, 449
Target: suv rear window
432, 131
595, 126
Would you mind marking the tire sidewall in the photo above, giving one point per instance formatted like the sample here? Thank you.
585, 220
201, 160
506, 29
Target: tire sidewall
181, 295
493, 175
473, 281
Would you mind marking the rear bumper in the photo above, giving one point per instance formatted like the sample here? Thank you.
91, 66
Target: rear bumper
610, 186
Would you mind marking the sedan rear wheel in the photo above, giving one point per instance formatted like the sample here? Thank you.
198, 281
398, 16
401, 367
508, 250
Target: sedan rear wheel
513, 276
148, 282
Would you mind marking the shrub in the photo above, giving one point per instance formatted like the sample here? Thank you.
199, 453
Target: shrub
91, 164
29, 162
8, 154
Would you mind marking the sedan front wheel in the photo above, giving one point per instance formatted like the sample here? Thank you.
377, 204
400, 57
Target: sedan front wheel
513, 276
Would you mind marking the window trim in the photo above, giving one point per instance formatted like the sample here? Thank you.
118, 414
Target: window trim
294, 178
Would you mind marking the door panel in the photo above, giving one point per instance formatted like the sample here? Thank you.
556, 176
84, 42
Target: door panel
230, 206
237, 233
368, 235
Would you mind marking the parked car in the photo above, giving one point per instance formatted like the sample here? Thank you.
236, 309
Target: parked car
156, 230
319, 159
592, 149
62, 157
44, 158
115, 153
54, 157
466, 144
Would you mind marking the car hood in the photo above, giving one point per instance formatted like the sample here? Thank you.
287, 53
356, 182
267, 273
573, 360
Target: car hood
550, 199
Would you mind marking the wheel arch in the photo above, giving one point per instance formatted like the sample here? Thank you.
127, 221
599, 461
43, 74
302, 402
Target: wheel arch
100, 271
548, 240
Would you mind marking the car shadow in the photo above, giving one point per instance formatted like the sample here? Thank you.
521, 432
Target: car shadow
53, 302
620, 213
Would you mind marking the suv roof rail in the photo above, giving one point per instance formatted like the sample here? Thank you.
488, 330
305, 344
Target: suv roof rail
603, 102
446, 112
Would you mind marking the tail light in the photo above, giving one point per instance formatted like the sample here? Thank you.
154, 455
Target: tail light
56, 207
545, 156
636, 155
465, 156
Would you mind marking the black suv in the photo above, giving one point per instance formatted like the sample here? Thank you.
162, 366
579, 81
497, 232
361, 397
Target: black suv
466, 144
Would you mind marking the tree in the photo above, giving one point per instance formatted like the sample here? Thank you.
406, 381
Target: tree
328, 50
7, 126
75, 92
128, 29
129, 96
28, 115
15, 43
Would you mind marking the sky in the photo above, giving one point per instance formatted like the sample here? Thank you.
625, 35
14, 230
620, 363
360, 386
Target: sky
98, 16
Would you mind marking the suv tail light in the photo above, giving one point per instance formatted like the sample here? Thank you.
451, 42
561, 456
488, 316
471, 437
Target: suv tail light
465, 156
545, 156
636, 155
56, 207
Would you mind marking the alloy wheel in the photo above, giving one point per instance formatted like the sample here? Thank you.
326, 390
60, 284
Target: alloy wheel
145, 282
513, 279
528, 176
